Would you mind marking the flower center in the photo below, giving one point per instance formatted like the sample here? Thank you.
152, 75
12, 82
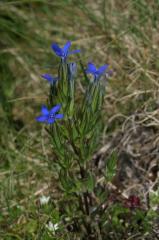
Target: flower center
52, 115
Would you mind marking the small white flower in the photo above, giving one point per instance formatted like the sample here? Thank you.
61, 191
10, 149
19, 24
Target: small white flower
44, 200
52, 227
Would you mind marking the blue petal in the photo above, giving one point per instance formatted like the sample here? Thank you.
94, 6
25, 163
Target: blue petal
44, 110
102, 69
51, 120
57, 49
59, 116
41, 118
55, 109
74, 51
66, 48
48, 77
91, 68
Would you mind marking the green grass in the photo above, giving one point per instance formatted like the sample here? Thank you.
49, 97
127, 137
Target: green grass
121, 33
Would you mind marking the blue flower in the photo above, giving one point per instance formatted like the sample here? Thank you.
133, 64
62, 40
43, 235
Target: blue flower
49, 78
50, 116
97, 73
63, 52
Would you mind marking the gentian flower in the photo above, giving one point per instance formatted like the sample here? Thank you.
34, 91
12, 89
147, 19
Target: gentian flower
64, 52
97, 73
49, 116
49, 78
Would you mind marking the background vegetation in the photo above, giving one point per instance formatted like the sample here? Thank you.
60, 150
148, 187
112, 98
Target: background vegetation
121, 33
